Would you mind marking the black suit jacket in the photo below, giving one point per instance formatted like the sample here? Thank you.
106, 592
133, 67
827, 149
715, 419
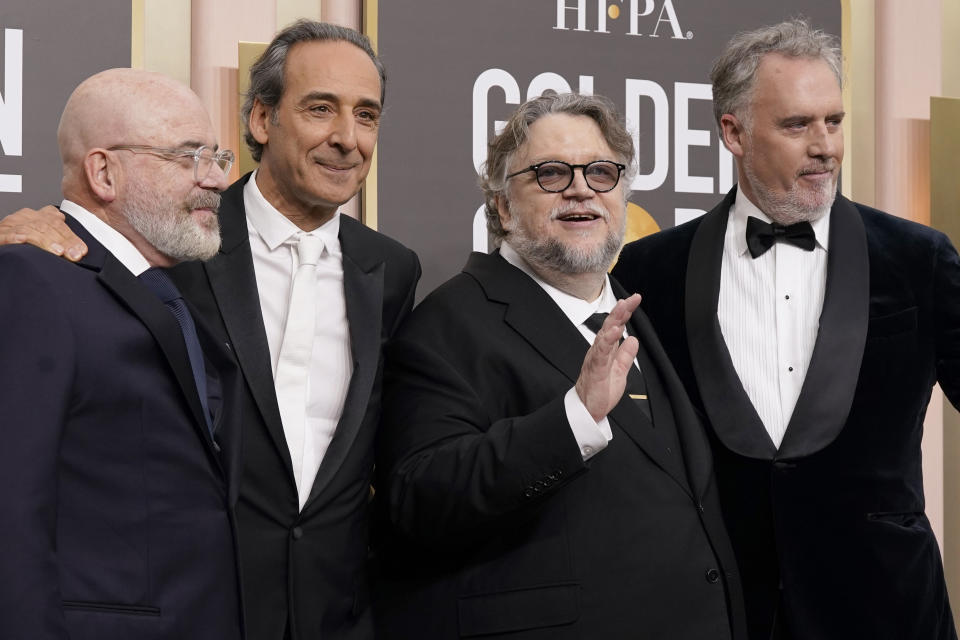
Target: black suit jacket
116, 505
835, 516
501, 528
306, 569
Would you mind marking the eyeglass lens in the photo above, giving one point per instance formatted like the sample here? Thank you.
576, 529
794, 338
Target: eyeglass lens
601, 175
205, 160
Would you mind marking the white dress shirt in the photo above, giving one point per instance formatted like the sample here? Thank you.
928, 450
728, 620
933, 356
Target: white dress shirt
112, 240
275, 262
591, 436
769, 313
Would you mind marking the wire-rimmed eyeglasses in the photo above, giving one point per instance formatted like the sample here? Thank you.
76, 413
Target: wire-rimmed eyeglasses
203, 157
556, 175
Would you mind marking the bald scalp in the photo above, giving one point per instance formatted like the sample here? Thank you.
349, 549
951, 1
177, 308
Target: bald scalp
117, 106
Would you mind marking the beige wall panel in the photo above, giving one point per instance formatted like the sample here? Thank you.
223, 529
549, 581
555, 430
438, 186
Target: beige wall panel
292, 10
218, 26
161, 38
944, 208
859, 101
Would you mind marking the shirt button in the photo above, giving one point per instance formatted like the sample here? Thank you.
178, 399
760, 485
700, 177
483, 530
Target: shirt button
787, 297
587, 451
297, 533
789, 368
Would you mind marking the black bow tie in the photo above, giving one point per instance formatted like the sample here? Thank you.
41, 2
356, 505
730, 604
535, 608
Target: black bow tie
761, 235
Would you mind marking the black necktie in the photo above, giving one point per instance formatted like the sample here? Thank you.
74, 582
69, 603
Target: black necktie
636, 386
761, 235
160, 284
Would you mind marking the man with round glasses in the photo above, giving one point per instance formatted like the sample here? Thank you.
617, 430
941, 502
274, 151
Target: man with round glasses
538, 486
118, 471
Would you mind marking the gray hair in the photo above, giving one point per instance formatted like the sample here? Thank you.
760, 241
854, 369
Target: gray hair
735, 71
267, 73
502, 148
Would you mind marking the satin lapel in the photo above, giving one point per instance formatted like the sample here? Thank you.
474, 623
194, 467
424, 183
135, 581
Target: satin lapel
831, 381
731, 413
234, 286
363, 292
534, 316
163, 325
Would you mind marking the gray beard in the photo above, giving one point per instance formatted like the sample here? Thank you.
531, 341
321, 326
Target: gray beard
169, 227
787, 208
552, 255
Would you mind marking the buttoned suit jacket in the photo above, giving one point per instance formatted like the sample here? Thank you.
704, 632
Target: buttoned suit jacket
835, 516
307, 569
500, 528
116, 500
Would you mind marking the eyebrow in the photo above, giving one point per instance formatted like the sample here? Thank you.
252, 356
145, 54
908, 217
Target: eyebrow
196, 144
332, 97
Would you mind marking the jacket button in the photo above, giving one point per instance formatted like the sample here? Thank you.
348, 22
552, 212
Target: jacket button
528, 493
297, 533
712, 576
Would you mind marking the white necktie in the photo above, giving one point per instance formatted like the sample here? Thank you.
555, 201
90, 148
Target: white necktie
294, 364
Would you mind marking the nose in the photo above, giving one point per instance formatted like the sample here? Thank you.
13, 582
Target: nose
344, 132
579, 189
825, 141
216, 179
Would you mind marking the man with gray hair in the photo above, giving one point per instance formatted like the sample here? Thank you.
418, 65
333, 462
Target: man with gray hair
305, 297
539, 486
810, 329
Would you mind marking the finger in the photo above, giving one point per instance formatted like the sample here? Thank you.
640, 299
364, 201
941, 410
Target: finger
45, 228
624, 309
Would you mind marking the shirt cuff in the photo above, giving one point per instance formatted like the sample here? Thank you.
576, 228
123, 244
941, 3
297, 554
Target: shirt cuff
592, 437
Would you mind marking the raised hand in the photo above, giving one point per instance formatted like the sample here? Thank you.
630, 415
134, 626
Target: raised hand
603, 375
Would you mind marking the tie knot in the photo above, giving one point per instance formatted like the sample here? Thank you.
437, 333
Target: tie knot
309, 248
595, 322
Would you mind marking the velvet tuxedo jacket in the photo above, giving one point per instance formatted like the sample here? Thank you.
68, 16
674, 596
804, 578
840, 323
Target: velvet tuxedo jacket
829, 530
116, 500
304, 569
500, 529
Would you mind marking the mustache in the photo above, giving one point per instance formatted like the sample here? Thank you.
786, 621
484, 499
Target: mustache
205, 200
818, 168
587, 205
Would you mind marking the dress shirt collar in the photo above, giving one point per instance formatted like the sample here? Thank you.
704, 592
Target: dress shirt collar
276, 229
743, 208
576, 309
111, 239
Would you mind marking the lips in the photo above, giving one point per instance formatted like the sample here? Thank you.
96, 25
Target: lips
578, 216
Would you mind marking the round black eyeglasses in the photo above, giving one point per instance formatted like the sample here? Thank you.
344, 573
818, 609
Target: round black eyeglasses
556, 175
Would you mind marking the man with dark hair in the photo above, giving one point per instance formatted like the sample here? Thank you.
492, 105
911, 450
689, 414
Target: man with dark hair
120, 458
810, 330
538, 486
305, 297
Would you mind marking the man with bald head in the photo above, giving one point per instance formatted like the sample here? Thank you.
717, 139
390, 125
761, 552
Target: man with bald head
118, 455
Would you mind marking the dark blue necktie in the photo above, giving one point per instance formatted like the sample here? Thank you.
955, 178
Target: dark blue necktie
636, 386
160, 284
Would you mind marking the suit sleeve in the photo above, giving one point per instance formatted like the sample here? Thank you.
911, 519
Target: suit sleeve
456, 469
36, 355
946, 301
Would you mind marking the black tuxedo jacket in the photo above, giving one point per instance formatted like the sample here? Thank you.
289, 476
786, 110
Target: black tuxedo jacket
500, 528
304, 569
829, 530
116, 501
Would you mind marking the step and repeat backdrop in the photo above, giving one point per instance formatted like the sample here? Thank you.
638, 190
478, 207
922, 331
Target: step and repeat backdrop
47, 47
456, 70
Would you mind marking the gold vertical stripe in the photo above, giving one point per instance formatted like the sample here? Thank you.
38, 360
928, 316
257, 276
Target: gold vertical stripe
247, 54
136, 33
368, 196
